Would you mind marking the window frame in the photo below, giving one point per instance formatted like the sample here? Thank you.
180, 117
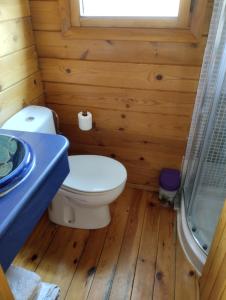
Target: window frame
182, 21
186, 32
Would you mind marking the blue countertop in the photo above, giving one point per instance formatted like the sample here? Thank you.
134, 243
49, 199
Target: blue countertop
51, 166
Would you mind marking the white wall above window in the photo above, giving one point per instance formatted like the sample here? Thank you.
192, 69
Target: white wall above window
129, 8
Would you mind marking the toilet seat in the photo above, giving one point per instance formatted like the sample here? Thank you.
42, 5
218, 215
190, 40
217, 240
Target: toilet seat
94, 174
88, 194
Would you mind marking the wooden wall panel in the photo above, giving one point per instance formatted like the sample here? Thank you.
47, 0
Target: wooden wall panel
25, 92
51, 45
17, 66
141, 93
14, 9
20, 82
124, 75
147, 101
15, 35
45, 15
159, 125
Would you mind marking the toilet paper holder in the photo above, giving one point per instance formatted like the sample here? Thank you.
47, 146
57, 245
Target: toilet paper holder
56, 121
84, 113
85, 121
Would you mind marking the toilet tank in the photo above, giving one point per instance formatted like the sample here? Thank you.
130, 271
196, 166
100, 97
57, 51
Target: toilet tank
33, 119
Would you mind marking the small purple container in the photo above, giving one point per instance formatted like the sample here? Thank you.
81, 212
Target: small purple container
169, 181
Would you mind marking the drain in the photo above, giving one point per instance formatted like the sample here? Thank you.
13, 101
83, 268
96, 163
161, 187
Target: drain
205, 247
194, 229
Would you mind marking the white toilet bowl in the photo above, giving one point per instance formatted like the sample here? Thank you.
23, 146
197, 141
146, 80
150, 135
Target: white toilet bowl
83, 200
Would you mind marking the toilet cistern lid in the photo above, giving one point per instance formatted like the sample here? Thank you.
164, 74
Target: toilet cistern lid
94, 173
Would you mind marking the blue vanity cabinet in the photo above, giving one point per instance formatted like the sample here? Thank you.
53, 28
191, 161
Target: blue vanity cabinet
22, 208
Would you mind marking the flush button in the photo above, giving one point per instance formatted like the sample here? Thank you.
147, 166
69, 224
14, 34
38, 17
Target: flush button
29, 119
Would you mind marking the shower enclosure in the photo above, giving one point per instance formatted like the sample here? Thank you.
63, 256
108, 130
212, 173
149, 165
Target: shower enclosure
204, 171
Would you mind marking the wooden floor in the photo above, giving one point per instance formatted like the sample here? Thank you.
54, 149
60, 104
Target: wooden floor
137, 256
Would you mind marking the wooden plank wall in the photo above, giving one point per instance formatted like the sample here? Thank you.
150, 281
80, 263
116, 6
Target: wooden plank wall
213, 280
20, 82
141, 94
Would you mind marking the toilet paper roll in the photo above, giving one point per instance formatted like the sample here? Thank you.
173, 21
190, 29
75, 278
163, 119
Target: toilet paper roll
85, 121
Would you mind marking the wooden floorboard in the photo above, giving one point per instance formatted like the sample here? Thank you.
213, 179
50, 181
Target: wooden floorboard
125, 269
138, 256
146, 262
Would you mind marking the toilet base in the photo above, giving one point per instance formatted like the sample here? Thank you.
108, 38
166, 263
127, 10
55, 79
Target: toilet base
76, 216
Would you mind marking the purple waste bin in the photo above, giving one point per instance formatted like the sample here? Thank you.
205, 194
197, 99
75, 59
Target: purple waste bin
169, 183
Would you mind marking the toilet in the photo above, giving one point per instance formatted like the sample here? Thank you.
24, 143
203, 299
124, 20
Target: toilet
93, 183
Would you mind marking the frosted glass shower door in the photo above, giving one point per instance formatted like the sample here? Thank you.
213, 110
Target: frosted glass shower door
204, 187
206, 198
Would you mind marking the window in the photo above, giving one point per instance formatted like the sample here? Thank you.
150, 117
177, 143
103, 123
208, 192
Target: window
179, 21
131, 13
129, 8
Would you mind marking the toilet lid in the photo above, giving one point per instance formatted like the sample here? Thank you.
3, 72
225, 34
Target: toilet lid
94, 173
